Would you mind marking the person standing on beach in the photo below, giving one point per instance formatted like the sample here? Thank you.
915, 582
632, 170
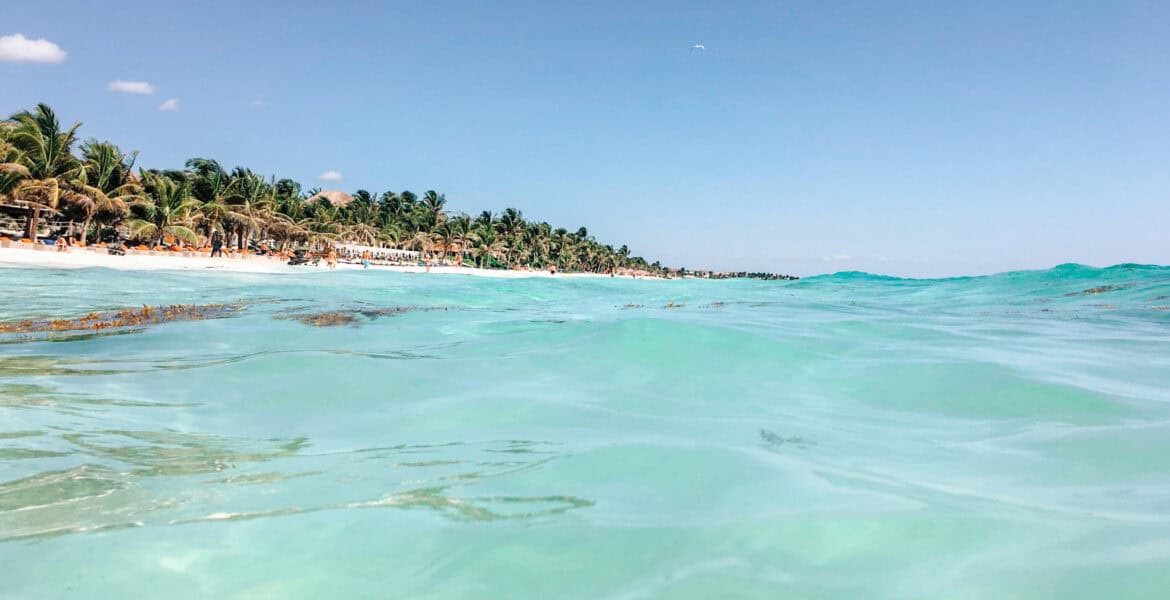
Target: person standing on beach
331, 258
216, 246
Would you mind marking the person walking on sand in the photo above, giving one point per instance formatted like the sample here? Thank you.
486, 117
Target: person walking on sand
216, 246
331, 258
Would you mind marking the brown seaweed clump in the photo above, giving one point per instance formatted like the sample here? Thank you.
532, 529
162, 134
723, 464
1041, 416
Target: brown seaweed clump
1101, 289
673, 305
351, 316
123, 318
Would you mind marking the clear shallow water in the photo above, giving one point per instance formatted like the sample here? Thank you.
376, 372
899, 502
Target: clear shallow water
843, 436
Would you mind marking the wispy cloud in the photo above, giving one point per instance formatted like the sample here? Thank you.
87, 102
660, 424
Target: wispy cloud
330, 176
17, 48
258, 104
131, 87
837, 258
171, 105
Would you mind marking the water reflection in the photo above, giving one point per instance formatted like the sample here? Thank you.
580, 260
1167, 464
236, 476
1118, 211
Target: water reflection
106, 479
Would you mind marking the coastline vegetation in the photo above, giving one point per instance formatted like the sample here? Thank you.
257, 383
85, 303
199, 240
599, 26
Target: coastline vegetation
94, 192
744, 275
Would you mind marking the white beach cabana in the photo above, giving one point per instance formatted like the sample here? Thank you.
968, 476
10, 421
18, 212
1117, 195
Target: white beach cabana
394, 254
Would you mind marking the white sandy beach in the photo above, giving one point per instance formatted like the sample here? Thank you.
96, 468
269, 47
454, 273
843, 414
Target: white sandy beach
77, 258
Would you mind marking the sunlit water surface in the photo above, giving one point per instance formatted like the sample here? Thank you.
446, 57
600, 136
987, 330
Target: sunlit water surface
844, 436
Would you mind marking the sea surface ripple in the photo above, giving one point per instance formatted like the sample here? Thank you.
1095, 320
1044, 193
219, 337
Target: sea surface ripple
372, 434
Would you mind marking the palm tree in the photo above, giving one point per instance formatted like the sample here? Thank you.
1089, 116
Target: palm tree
462, 225
164, 211
485, 245
390, 235
362, 233
289, 199
39, 172
12, 169
447, 235
107, 180
45, 152
284, 229
322, 225
433, 203
212, 214
423, 241
511, 223
210, 185
251, 199
537, 241
391, 207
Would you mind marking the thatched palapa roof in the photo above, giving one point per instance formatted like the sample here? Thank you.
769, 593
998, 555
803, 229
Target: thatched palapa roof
335, 197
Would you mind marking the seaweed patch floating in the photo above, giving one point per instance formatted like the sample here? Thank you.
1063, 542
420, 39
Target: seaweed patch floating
1098, 290
773, 439
352, 316
123, 318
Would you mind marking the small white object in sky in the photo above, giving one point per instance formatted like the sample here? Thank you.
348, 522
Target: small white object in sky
131, 87
17, 48
330, 176
171, 105
698, 47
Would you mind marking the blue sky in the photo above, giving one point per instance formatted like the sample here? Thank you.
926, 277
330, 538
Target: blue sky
908, 138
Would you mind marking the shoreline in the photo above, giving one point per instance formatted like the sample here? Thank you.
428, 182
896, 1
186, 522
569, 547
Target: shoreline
81, 258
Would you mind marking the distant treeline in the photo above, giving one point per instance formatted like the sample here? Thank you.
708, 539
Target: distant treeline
748, 275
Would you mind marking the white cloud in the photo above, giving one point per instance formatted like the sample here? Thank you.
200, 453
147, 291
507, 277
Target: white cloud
257, 104
330, 176
131, 87
17, 48
171, 105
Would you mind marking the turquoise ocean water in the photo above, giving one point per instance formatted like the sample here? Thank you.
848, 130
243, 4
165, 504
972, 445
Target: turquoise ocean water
844, 436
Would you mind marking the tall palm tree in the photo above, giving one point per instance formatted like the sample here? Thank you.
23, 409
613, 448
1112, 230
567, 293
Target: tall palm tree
511, 223
433, 203
164, 211
289, 198
537, 242
107, 180
462, 225
211, 186
45, 152
486, 244
251, 198
448, 235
